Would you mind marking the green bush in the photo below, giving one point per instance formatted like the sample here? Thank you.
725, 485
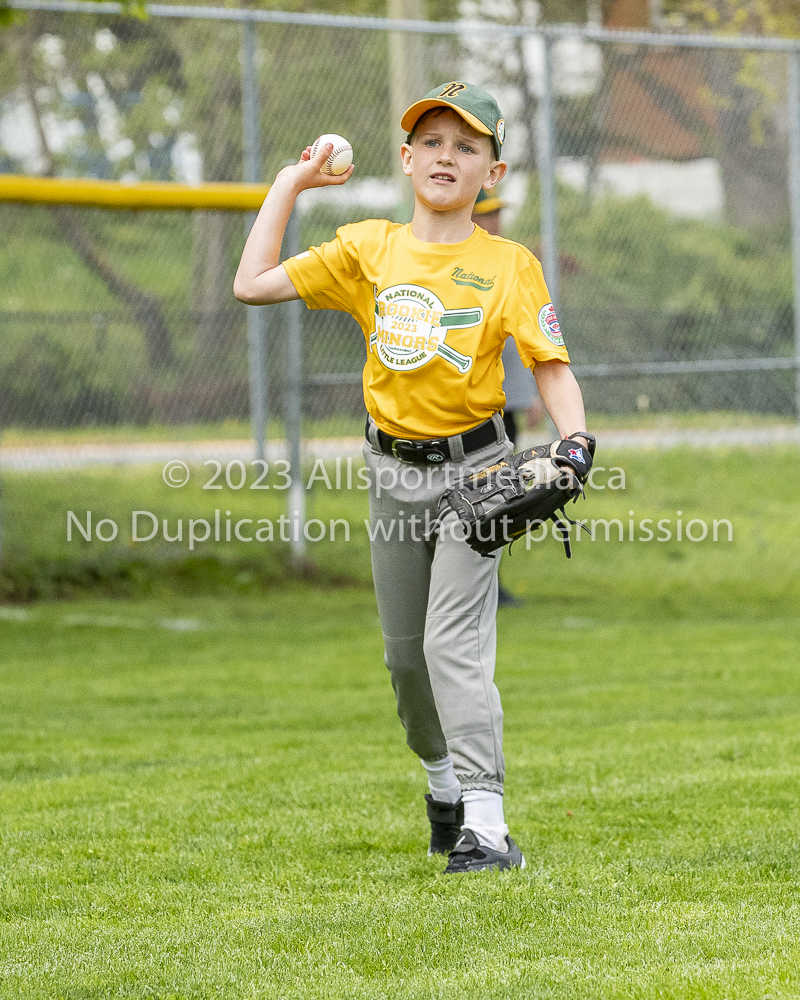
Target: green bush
638, 284
49, 383
645, 284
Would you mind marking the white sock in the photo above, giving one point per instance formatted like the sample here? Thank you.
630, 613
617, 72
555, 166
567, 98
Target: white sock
442, 780
483, 814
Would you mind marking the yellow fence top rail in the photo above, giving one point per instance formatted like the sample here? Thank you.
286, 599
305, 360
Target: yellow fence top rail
135, 195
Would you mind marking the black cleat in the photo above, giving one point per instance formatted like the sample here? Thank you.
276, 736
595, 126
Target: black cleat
468, 855
446, 819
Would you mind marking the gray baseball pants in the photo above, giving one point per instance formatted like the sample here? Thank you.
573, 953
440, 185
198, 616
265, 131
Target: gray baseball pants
437, 601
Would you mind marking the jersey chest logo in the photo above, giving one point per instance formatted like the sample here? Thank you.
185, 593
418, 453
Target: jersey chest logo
411, 325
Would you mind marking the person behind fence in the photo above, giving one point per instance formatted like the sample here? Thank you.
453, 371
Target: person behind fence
436, 300
519, 385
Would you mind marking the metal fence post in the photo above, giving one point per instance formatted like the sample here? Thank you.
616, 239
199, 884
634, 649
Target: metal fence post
294, 405
256, 315
407, 73
793, 98
547, 180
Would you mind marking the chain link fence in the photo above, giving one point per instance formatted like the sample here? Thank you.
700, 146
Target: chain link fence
674, 239
653, 175
101, 327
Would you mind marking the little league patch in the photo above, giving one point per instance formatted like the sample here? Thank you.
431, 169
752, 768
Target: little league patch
549, 325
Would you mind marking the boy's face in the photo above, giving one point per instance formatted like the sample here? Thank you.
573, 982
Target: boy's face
449, 162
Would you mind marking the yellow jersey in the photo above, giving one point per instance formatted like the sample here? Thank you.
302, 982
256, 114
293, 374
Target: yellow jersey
435, 317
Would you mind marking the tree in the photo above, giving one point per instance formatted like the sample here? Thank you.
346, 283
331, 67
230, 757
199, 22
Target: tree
126, 96
508, 60
45, 71
747, 92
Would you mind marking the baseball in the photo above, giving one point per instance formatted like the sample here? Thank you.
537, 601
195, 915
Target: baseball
341, 156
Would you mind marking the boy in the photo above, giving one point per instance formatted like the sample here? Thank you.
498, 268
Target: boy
436, 300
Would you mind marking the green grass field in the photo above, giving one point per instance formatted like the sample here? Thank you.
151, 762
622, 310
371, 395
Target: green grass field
208, 795
226, 430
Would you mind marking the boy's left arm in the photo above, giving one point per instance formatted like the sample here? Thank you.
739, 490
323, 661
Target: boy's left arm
561, 395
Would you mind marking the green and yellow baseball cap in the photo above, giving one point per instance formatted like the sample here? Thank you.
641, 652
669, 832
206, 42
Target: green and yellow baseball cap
474, 105
487, 201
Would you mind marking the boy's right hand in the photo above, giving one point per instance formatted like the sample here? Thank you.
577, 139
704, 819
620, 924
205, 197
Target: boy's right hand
307, 172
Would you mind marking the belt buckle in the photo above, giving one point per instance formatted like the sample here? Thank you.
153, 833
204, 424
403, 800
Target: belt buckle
402, 441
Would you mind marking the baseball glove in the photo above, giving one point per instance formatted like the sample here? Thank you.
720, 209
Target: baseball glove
501, 503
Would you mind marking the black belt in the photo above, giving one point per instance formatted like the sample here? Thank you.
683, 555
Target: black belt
434, 451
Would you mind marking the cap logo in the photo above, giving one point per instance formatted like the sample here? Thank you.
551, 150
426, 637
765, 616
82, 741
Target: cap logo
452, 89
501, 130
